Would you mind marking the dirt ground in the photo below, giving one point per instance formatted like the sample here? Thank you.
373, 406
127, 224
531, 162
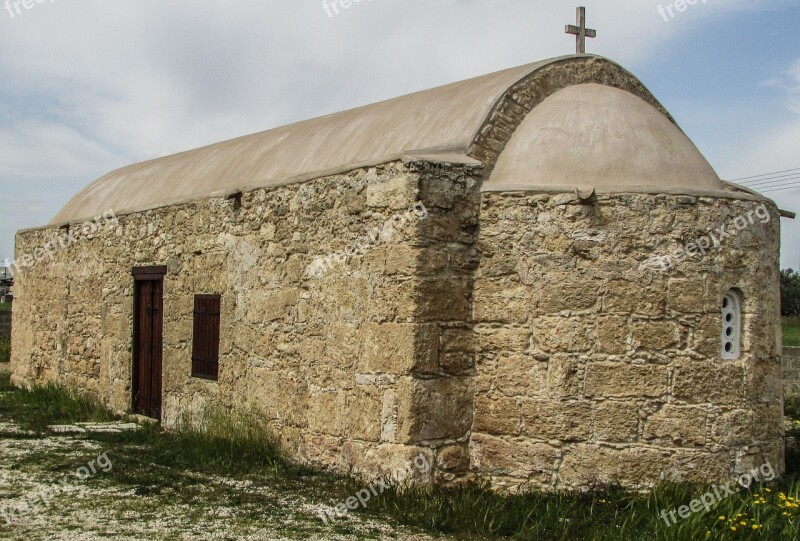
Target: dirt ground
94, 507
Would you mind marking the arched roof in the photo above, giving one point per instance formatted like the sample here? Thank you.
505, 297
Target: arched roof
476, 118
590, 135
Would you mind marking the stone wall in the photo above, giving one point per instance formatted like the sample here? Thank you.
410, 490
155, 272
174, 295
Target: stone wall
593, 368
345, 362
513, 337
791, 372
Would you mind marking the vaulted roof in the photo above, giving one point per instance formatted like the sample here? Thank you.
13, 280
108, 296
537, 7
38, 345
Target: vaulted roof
476, 118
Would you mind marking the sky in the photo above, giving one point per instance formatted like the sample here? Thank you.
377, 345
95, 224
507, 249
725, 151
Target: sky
88, 86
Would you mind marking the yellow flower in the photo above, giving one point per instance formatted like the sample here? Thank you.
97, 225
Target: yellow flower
722, 517
733, 528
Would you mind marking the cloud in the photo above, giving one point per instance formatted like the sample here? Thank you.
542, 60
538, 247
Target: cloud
775, 146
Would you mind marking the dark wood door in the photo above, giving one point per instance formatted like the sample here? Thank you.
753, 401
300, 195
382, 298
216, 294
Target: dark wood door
147, 347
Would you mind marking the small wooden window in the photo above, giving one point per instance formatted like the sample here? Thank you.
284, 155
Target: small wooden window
205, 337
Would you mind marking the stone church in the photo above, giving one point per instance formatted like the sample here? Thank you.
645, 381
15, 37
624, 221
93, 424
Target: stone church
531, 277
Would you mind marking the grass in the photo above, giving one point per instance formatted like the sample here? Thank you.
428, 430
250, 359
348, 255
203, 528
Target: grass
5, 349
178, 464
36, 408
5, 383
6, 306
791, 331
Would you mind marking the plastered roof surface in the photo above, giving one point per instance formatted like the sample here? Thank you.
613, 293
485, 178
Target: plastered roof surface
442, 119
585, 134
590, 135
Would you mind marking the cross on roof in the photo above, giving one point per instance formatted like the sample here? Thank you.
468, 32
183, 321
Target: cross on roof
581, 32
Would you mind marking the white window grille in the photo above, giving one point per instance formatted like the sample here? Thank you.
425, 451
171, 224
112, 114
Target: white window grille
731, 325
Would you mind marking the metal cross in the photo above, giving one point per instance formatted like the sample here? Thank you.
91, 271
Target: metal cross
581, 32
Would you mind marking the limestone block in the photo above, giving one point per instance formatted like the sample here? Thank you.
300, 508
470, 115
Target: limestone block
397, 193
588, 465
363, 409
768, 422
442, 299
612, 334
403, 464
495, 266
635, 298
463, 258
325, 452
763, 380
623, 380
496, 415
400, 259
428, 262
434, 409
687, 295
688, 466
520, 375
679, 426
563, 376
458, 351
553, 420
393, 300
734, 427
707, 382
568, 292
654, 335
400, 348
616, 422
497, 338
762, 333
342, 345
502, 301
564, 334
278, 397
515, 457
453, 458
707, 334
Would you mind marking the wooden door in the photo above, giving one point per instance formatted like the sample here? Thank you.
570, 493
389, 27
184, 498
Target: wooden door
147, 341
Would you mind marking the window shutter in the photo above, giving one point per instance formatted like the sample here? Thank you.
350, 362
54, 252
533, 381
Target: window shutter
205, 337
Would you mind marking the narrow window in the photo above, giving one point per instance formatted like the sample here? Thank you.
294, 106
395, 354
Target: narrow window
205, 337
731, 325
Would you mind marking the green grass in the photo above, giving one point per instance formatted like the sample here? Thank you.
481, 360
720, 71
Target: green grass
36, 408
6, 306
176, 465
5, 382
791, 331
5, 349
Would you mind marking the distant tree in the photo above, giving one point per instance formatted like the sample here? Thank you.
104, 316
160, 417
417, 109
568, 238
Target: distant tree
790, 293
